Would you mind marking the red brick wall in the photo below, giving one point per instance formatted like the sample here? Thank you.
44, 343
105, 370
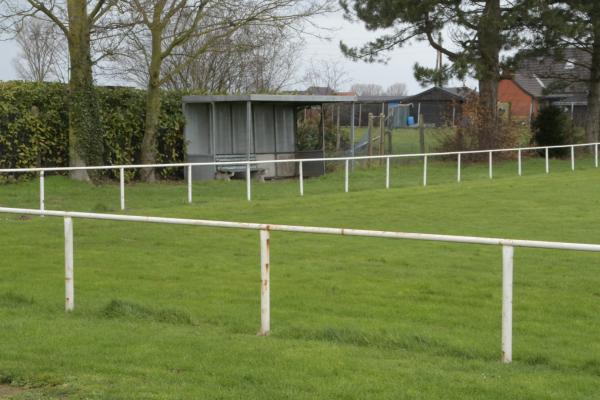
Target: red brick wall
510, 92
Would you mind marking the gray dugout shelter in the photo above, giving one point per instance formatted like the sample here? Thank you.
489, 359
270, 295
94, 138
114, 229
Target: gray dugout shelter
250, 127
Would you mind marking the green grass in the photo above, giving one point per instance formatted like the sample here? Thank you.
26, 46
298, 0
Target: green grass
171, 312
406, 140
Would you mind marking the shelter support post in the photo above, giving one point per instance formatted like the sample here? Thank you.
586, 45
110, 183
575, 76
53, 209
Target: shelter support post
249, 128
323, 127
421, 134
213, 129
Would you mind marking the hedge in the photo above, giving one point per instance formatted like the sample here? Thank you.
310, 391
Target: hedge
34, 126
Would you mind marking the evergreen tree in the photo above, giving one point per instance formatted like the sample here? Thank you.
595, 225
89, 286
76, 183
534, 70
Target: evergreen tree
475, 32
572, 24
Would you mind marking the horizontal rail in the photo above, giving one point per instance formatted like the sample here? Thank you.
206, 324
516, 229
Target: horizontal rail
507, 245
312, 229
290, 160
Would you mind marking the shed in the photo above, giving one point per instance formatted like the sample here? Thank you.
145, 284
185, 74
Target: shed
439, 106
250, 126
375, 105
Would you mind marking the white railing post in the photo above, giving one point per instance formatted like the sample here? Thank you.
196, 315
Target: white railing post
520, 163
42, 193
346, 178
387, 173
301, 176
491, 166
572, 158
189, 183
596, 155
265, 286
248, 183
424, 170
69, 284
458, 167
122, 187
547, 162
507, 302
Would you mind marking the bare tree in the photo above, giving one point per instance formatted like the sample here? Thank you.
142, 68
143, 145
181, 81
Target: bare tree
166, 26
326, 74
256, 59
396, 89
367, 89
41, 50
272, 64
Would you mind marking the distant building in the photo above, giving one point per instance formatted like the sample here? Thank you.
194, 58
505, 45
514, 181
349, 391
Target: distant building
547, 80
439, 106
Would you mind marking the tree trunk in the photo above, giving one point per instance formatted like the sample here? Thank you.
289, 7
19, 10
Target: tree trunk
592, 120
85, 135
488, 115
488, 71
152, 111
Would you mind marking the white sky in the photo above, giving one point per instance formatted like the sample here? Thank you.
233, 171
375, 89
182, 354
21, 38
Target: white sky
398, 69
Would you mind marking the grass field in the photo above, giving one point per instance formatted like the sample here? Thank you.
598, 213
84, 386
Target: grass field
406, 140
171, 312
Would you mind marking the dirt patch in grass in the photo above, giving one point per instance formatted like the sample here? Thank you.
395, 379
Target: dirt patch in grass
7, 391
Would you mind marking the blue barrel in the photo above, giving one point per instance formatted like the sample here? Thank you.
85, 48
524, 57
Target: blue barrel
410, 120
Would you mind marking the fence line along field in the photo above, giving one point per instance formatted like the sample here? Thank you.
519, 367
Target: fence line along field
171, 312
587, 152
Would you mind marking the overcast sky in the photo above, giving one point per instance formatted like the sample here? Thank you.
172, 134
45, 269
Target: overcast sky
399, 68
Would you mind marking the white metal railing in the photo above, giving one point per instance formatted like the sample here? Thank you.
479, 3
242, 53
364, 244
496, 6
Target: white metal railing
300, 162
507, 245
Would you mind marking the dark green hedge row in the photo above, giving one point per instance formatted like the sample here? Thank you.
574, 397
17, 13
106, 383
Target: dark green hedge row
34, 126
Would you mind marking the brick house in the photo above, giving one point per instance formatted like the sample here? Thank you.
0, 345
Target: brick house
547, 80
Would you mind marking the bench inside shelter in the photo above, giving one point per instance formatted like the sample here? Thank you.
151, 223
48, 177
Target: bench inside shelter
227, 171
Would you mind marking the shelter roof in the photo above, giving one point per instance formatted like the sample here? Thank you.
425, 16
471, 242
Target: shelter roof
271, 98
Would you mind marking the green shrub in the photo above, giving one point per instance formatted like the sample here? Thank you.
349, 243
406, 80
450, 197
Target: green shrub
553, 127
309, 135
34, 127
